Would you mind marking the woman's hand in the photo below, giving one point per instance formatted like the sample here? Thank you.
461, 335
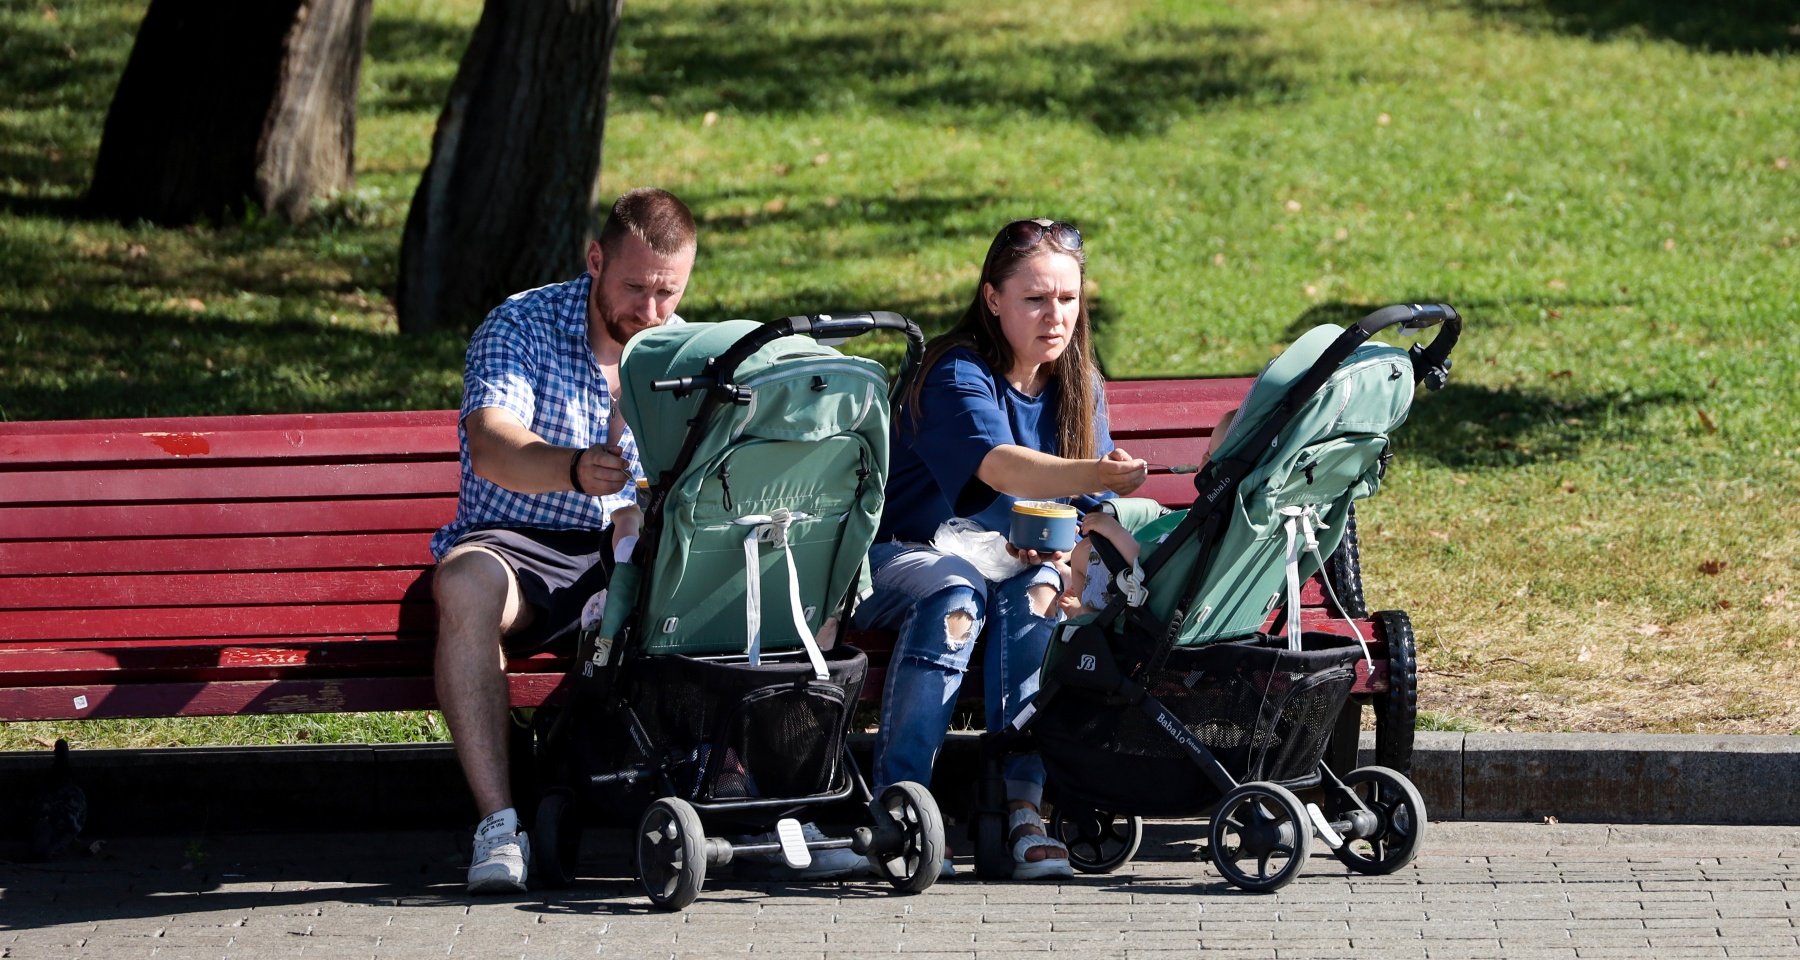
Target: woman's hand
1032, 558
1122, 473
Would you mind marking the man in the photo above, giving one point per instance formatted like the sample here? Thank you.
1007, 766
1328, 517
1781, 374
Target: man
545, 462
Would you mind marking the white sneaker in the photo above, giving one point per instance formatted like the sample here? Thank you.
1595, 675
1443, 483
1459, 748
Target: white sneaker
499, 865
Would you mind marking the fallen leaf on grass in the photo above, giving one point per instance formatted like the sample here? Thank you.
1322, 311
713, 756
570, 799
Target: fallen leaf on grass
1551, 821
1778, 598
1292, 206
1669, 244
709, 119
1441, 535
1706, 420
1782, 163
1524, 591
1712, 568
1584, 656
1563, 375
1568, 486
46, 742
1382, 120
1558, 284
1649, 629
1218, 259
822, 159
776, 205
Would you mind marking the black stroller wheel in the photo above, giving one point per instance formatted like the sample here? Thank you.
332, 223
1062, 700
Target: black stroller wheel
1401, 810
912, 864
557, 853
671, 853
1397, 710
1260, 836
1098, 842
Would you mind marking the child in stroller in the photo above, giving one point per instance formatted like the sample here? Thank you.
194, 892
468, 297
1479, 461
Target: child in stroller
1169, 701
693, 696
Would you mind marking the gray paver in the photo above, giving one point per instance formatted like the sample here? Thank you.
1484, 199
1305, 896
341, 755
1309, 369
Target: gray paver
1479, 891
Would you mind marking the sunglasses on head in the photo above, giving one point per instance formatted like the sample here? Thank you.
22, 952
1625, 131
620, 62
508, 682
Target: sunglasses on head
1024, 234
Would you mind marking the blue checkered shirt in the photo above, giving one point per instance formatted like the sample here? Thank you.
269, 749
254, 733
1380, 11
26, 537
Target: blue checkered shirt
531, 358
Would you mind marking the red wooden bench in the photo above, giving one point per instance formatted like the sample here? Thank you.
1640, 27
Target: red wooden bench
279, 564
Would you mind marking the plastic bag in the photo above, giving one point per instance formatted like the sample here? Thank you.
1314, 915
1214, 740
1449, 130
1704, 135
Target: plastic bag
984, 549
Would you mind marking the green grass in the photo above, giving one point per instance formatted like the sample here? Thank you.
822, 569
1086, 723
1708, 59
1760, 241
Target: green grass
1609, 190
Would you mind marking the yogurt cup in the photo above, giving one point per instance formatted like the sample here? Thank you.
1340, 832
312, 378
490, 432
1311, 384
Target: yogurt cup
1043, 525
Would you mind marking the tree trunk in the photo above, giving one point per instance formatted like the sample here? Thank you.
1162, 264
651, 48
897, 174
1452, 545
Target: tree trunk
505, 202
225, 101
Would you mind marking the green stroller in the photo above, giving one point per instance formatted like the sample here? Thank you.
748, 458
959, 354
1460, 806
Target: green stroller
704, 693
1173, 700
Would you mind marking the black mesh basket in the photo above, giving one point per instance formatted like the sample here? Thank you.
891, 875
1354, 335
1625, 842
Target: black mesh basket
734, 731
1264, 711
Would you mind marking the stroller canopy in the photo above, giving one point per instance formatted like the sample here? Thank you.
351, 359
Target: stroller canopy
807, 452
1329, 455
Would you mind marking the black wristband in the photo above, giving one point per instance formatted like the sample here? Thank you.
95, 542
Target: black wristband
575, 473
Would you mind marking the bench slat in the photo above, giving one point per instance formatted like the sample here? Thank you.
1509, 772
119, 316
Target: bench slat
299, 552
261, 658
411, 434
215, 519
216, 589
297, 620
285, 482
347, 695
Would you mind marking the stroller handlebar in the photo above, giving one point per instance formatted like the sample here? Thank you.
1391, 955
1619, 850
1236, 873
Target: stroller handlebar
717, 376
1431, 364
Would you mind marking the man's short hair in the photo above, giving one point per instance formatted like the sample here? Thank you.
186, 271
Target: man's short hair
654, 216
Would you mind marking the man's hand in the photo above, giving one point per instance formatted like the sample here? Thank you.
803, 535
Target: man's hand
1122, 473
603, 470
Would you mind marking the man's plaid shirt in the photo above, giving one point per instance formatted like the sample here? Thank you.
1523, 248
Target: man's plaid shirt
531, 358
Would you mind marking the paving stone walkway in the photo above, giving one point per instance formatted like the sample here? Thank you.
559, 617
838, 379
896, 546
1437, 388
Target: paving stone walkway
1478, 891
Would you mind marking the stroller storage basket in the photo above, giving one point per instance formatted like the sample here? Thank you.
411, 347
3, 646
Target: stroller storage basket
1265, 712
730, 730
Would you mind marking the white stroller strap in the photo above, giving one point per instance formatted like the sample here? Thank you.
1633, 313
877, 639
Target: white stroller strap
773, 528
1299, 520
1301, 525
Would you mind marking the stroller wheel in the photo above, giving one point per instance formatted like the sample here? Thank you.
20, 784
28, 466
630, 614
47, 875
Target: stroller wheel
671, 853
1098, 842
911, 863
558, 849
1402, 821
1397, 711
1260, 836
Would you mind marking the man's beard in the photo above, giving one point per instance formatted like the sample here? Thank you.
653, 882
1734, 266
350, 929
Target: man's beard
619, 329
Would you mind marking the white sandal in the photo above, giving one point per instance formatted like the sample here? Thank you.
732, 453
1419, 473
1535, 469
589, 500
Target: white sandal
1024, 869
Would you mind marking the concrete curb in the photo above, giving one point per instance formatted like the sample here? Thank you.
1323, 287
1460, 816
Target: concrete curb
1576, 778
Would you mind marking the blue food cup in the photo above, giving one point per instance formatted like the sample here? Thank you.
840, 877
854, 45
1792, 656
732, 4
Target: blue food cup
1043, 525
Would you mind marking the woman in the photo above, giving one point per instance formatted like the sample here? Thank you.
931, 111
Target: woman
1009, 407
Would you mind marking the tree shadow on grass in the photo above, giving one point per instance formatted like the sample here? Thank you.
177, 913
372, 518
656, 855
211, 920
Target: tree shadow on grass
415, 59
1722, 26
79, 362
56, 79
1473, 426
1476, 427
967, 63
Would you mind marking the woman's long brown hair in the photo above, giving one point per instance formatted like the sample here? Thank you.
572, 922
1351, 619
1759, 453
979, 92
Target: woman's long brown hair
1076, 375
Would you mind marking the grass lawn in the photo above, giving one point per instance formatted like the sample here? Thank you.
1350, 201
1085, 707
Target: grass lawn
1595, 527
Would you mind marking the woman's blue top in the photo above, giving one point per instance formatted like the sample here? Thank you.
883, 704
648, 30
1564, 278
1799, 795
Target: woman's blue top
965, 411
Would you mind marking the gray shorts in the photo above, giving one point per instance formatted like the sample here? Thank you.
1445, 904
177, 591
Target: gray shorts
557, 571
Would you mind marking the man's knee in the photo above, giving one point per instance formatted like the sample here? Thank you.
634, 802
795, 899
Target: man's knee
472, 585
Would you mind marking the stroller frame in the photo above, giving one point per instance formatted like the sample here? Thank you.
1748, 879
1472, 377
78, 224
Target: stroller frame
1376, 819
905, 840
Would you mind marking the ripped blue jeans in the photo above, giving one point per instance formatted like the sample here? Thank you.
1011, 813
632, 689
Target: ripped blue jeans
916, 591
